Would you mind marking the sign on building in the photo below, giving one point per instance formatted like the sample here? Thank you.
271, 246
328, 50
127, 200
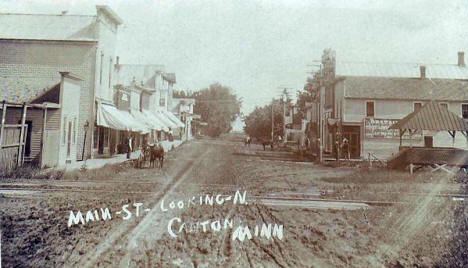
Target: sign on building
378, 128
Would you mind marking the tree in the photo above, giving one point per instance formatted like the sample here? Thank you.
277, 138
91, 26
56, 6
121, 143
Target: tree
218, 107
309, 93
258, 122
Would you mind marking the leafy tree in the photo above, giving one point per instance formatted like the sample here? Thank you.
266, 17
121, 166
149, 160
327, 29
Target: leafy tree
217, 106
258, 122
309, 93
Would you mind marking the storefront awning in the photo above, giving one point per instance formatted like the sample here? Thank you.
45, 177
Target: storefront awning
163, 118
111, 117
173, 118
142, 119
154, 121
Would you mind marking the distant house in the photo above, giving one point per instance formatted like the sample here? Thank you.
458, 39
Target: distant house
363, 99
183, 108
36, 48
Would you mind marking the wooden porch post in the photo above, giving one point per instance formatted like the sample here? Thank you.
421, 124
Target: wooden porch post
19, 160
2, 127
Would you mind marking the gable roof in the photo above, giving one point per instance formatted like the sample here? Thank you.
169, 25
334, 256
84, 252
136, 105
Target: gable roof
406, 88
169, 77
143, 73
402, 70
432, 116
47, 27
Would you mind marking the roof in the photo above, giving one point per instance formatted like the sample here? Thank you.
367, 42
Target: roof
406, 88
47, 27
432, 116
169, 77
51, 95
140, 73
403, 70
25, 88
111, 14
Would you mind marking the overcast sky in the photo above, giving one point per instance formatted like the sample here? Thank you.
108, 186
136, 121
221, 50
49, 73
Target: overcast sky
257, 46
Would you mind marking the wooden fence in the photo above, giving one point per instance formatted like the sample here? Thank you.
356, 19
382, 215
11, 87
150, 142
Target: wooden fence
12, 138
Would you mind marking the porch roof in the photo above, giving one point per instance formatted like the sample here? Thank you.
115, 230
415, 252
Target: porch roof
432, 116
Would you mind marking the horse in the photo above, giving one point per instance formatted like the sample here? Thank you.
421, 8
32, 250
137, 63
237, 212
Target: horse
266, 143
157, 152
247, 141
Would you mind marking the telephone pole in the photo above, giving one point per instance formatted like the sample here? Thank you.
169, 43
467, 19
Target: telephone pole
272, 120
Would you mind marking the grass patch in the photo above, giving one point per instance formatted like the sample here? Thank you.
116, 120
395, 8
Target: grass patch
105, 172
31, 172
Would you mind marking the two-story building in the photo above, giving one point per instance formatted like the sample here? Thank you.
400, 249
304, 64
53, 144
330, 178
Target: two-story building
151, 94
37, 48
363, 99
183, 108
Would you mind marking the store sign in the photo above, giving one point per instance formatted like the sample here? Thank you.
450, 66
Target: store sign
378, 128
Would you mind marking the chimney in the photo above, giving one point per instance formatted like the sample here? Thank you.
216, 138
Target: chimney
461, 59
422, 69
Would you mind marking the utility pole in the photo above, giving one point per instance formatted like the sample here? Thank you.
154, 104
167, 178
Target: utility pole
272, 120
321, 104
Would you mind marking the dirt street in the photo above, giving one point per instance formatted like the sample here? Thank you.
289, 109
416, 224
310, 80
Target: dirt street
320, 216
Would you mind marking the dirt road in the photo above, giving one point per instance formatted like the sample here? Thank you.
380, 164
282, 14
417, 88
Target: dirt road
35, 231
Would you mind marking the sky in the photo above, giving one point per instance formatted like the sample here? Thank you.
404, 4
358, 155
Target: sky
256, 47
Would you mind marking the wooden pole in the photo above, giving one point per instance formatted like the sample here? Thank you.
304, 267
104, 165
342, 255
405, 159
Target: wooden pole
272, 120
2, 128
19, 160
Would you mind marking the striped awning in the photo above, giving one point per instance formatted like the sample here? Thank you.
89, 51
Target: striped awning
173, 118
155, 121
111, 117
432, 116
163, 118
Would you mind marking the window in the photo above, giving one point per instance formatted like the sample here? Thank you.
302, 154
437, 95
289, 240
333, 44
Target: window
110, 72
465, 111
444, 104
74, 130
64, 138
100, 71
417, 106
370, 109
162, 101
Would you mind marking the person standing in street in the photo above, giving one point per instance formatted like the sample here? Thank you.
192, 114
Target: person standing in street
129, 147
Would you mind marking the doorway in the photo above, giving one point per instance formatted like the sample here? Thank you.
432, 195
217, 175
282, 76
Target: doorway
27, 146
353, 135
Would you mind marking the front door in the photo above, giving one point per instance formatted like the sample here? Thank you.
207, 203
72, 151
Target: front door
353, 135
428, 141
